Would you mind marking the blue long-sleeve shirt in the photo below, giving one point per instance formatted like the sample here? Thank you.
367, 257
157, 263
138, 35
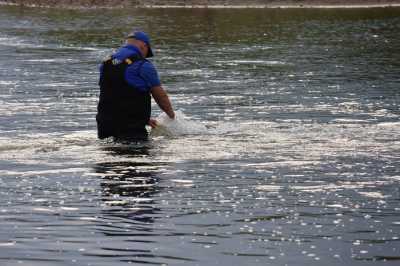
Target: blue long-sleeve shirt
141, 74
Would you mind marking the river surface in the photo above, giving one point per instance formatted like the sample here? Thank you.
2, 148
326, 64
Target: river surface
299, 165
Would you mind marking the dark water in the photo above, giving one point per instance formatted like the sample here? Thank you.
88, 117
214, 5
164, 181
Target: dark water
300, 165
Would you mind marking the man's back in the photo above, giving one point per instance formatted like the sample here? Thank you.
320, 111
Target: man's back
124, 106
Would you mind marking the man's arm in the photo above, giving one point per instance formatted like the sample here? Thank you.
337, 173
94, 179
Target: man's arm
162, 99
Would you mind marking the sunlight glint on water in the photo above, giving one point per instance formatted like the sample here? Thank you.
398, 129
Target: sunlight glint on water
287, 153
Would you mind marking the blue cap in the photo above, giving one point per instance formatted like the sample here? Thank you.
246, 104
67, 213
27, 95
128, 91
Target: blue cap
141, 36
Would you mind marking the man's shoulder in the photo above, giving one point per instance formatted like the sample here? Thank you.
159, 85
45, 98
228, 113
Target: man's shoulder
149, 73
148, 65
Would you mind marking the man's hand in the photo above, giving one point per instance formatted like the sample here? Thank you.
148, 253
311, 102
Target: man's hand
152, 122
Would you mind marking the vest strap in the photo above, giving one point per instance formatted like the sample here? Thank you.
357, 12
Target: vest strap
129, 60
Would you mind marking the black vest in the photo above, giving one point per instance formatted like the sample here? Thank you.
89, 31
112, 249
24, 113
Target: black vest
123, 109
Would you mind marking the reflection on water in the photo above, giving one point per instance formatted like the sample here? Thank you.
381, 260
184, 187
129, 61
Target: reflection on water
299, 165
126, 186
127, 191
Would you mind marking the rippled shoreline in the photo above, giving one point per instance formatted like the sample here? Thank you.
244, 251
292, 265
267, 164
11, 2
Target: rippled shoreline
214, 4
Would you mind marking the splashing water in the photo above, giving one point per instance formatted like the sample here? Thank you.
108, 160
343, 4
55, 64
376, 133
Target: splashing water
181, 125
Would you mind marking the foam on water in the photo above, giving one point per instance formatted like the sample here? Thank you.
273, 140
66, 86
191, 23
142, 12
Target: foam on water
183, 125
179, 126
254, 62
43, 142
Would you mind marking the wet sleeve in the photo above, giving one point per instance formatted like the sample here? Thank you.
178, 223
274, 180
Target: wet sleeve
149, 74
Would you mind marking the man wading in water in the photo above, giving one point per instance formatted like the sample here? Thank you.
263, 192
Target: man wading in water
126, 81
